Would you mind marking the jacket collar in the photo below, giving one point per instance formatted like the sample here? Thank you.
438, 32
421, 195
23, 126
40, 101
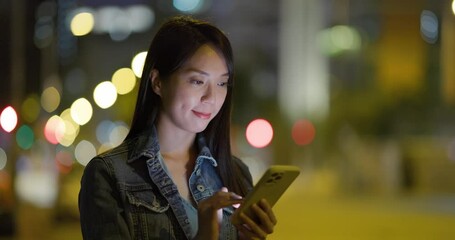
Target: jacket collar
146, 144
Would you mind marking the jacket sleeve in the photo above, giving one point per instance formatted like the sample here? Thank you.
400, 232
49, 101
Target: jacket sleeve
101, 211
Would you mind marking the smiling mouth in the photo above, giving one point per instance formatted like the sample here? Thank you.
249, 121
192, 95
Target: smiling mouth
202, 115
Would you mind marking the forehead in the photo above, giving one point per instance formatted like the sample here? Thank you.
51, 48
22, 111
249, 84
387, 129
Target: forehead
207, 58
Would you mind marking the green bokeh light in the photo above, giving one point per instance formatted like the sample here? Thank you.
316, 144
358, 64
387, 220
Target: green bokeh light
25, 137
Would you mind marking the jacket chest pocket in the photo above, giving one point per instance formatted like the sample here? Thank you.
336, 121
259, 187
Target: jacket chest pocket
147, 213
142, 198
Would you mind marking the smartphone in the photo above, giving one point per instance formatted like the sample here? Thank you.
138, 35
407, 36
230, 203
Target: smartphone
270, 186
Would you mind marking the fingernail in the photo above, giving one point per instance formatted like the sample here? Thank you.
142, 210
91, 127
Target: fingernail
234, 195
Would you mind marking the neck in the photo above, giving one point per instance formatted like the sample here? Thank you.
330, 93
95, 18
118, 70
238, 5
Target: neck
176, 144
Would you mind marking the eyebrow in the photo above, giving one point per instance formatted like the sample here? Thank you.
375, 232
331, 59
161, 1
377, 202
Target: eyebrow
203, 72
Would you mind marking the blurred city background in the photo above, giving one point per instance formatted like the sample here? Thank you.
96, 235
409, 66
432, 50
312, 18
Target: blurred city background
359, 93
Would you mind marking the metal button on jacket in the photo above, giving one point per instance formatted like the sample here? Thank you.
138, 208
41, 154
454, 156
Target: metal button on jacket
200, 187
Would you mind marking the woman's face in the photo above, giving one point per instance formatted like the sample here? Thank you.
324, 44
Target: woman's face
194, 94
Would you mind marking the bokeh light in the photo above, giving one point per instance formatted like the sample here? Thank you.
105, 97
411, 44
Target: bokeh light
259, 133
338, 39
345, 37
105, 94
25, 137
82, 23
30, 108
141, 17
120, 22
118, 133
71, 128
44, 30
429, 26
8, 119
303, 132
187, 5
84, 152
50, 99
124, 80
54, 129
103, 131
137, 64
453, 7
119, 26
104, 147
37, 187
81, 111
3, 159
64, 161
111, 134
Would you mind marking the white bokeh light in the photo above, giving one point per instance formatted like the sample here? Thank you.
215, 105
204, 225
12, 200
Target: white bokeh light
81, 111
84, 152
138, 63
8, 119
37, 186
105, 94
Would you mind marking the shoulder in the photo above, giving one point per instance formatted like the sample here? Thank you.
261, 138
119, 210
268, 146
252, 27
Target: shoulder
105, 164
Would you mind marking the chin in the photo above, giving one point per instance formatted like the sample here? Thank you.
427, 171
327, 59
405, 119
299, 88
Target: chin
198, 129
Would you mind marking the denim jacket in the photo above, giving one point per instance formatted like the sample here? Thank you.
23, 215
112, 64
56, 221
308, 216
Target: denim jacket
126, 193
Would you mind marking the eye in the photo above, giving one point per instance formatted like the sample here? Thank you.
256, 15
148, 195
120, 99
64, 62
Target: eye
196, 82
223, 84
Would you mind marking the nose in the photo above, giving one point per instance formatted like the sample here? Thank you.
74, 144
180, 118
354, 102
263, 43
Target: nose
209, 95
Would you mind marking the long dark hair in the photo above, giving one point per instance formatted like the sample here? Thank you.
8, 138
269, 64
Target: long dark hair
174, 43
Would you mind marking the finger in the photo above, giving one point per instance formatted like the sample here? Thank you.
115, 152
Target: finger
219, 216
267, 224
223, 202
264, 204
257, 230
245, 232
222, 199
233, 195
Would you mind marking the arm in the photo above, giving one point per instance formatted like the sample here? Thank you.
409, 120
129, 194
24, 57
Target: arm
101, 210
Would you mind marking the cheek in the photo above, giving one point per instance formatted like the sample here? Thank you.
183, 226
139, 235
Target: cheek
184, 100
221, 100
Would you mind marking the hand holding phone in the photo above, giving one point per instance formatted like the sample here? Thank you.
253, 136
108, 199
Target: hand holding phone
271, 187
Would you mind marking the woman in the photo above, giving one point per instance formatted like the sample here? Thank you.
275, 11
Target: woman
174, 176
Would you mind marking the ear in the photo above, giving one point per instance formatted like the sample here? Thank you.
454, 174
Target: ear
155, 81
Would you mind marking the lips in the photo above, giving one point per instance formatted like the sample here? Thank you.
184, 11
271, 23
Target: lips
202, 115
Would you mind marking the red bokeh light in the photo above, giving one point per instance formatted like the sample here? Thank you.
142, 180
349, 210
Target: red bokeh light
303, 132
